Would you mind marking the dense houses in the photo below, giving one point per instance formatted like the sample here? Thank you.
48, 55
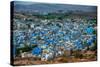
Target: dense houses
53, 37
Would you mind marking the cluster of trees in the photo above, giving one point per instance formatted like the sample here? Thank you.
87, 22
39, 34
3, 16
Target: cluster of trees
26, 48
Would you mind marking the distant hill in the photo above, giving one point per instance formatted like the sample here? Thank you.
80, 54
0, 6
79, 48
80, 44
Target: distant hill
44, 7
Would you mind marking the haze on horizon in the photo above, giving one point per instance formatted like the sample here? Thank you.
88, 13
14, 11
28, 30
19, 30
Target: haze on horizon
46, 7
